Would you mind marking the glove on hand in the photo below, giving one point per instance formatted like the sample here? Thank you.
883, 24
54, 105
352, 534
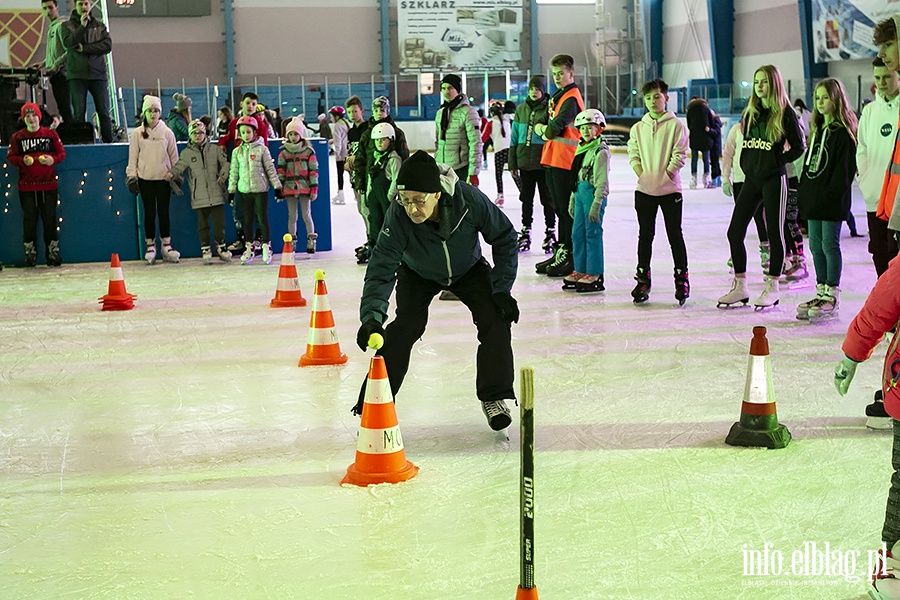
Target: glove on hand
313, 193
473, 180
279, 193
843, 375
175, 184
506, 306
365, 331
594, 214
231, 199
132, 184
727, 189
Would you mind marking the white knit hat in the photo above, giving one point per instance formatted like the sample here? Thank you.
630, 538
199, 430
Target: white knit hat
297, 125
151, 102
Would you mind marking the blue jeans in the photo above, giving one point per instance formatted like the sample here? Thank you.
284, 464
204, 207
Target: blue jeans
587, 236
79, 88
705, 155
825, 245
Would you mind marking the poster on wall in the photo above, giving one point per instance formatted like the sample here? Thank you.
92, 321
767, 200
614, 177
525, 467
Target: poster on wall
447, 35
21, 33
842, 29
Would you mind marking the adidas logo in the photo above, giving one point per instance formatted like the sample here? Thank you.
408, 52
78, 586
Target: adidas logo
757, 144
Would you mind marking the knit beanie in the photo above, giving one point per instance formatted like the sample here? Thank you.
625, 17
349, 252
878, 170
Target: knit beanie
151, 102
196, 125
453, 80
297, 125
30, 107
419, 173
383, 103
538, 82
182, 102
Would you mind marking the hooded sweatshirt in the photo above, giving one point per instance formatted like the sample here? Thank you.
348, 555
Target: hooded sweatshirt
659, 147
762, 159
876, 135
828, 170
442, 251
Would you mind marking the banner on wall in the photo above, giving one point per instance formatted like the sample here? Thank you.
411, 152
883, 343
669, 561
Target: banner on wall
444, 35
21, 32
842, 29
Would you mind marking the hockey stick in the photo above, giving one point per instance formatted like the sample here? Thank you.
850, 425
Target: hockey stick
527, 589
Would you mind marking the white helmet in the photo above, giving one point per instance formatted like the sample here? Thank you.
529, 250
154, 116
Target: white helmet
382, 130
591, 116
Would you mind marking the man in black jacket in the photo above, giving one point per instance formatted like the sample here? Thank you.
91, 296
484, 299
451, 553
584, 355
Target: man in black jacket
430, 243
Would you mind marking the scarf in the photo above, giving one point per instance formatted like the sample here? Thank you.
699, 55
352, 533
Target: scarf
445, 116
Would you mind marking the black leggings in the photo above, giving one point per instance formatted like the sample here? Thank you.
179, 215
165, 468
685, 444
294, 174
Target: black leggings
528, 180
758, 217
340, 174
155, 195
501, 157
38, 205
793, 237
772, 193
258, 203
646, 207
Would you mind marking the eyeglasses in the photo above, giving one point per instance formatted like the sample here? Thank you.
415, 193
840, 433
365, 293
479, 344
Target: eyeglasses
417, 203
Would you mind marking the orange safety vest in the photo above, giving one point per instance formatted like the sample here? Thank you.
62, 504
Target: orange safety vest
891, 184
559, 151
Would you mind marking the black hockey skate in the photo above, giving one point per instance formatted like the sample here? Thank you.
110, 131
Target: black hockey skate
682, 286
562, 263
549, 240
524, 241
641, 291
542, 266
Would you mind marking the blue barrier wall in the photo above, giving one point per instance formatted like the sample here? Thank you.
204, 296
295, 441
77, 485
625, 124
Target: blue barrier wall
97, 215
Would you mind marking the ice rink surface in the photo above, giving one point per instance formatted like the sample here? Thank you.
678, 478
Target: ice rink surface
177, 451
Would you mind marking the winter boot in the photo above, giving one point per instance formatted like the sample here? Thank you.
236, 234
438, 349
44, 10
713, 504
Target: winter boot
769, 296
206, 253
682, 286
707, 182
150, 254
562, 264
524, 241
169, 253
53, 257
589, 283
739, 294
693, 181
641, 291
499, 200
549, 241
338, 198
876, 416
571, 279
497, 414
311, 243
267, 252
795, 268
828, 307
30, 254
224, 254
247, 256
764, 255
803, 307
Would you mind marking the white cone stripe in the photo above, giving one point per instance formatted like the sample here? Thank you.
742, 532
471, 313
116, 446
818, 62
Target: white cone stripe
378, 391
115, 274
287, 258
379, 441
321, 336
321, 304
759, 388
288, 284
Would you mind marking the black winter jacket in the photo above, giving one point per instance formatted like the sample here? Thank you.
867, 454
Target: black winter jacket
95, 42
700, 125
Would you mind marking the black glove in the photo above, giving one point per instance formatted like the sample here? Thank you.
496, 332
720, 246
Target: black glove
175, 184
506, 306
365, 330
279, 193
231, 199
132, 184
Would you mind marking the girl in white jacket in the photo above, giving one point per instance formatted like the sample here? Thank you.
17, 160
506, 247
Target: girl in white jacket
501, 128
151, 153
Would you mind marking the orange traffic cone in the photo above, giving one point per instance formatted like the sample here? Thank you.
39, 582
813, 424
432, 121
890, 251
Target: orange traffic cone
322, 347
380, 457
759, 424
117, 298
288, 291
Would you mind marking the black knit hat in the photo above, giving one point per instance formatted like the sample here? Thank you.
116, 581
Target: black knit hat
454, 80
538, 82
419, 173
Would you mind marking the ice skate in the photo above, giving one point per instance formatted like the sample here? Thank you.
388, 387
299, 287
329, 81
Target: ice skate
206, 253
247, 256
884, 586
693, 181
311, 242
876, 416
53, 257
562, 264
707, 182
641, 291
795, 268
30, 254
682, 286
497, 414
769, 296
267, 253
542, 266
169, 253
739, 294
827, 307
549, 240
571, 279
236, 246
338, 198
150, 254
224, 254
589, 283
803, 307
524, 241
499, 200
